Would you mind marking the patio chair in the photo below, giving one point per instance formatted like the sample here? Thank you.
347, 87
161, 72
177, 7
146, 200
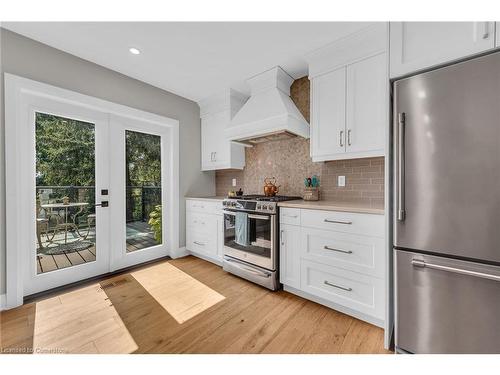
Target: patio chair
41, 224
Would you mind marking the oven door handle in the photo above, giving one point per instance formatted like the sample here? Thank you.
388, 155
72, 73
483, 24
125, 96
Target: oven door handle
248, 269
251, 216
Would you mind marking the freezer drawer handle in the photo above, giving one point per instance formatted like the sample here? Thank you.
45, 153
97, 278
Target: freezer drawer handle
326, 247
338, 222
422, 264
338, 286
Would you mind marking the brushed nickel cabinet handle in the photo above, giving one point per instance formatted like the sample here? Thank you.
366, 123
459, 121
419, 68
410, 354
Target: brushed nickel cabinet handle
281, 236
337, 286
341, 138
199, 243
338, 250
338, 222
349, 137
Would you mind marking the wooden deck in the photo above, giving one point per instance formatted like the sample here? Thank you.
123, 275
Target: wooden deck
139, 236
47, 263
184, 305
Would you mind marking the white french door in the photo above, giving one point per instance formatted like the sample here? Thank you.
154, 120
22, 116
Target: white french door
89, 191
139, 193
66, 174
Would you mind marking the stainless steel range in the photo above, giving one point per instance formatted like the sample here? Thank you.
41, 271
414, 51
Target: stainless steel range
250, 238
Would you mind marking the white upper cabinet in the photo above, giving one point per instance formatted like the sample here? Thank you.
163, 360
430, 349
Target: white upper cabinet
420, 45
367, 98
328, 113
349, 96
216, 113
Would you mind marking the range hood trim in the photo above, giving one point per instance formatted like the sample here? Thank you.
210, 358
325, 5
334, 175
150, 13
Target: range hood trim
262, 128
269, 110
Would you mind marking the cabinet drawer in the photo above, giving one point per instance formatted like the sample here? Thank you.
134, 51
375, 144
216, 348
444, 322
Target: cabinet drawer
355, 291
347, 222
204, 243
208, 207
201, 223
344, 250
290, 216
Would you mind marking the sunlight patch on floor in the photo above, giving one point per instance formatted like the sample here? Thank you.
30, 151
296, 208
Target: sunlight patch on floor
82, 321
181, 295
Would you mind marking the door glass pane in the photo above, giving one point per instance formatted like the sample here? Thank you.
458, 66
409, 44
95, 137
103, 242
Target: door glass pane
143, 190
65, 193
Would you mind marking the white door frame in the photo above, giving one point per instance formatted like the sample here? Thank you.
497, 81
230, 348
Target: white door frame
20, 194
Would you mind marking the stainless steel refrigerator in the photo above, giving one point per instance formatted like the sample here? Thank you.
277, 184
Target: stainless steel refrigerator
447, 209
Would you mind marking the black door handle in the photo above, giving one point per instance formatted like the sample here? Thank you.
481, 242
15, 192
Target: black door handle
102, 204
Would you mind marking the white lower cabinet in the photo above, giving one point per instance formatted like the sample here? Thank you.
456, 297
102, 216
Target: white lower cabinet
289, 251
355, 291
337, 259
204, 229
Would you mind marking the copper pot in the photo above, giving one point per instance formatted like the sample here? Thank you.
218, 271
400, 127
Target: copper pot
270, 188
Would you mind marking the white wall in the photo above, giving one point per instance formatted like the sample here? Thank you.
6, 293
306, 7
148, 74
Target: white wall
28, 58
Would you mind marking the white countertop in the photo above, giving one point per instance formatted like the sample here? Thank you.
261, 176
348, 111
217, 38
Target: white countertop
355, 207
216, 198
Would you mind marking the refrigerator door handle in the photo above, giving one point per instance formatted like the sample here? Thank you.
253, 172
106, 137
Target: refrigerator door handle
422, 264
486, 33
401, 167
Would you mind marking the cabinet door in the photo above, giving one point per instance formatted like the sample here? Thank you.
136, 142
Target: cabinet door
220, 237
420, 45
221, 147
207, 142
328, 115
367, 106
290, 255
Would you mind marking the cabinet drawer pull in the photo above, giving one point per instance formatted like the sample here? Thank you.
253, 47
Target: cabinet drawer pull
338, 286
340, 251
199, 243
338, 222
292, 216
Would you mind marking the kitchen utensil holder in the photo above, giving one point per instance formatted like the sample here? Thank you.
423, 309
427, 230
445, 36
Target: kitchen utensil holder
311, 194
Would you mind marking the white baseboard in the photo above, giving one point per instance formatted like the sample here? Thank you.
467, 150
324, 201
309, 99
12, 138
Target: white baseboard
179, 253
3, 301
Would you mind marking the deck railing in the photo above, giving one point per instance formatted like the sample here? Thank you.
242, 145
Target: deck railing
140, 200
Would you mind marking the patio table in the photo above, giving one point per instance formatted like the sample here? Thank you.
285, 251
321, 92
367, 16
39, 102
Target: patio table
67, 224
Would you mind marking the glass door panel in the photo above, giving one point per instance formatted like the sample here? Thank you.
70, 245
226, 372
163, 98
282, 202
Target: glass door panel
143, 190
65, 192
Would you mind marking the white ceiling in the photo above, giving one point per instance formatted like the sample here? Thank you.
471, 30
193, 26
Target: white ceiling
194, 59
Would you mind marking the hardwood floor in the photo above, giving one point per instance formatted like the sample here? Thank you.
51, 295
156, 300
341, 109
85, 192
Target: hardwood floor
184, 305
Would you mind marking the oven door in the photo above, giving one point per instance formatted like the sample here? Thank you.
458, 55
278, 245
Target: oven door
261, 248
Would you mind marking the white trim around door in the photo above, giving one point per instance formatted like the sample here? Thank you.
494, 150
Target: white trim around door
22, 96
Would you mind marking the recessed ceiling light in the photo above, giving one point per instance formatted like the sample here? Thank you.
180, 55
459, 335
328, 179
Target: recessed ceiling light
134, 51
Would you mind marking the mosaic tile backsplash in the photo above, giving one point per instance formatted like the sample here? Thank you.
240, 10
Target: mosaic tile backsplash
290, 162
